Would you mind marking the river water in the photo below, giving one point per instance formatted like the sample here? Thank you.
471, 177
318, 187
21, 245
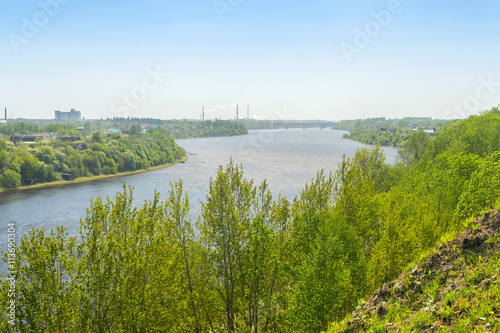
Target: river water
287, 159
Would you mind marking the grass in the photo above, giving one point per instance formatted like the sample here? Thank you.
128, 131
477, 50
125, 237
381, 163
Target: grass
466, 299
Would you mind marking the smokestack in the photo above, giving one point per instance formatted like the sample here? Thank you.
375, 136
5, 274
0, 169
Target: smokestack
236, 111
203, 112
248, 111
5, 113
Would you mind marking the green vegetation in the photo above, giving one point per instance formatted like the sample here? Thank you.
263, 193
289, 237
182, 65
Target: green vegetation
388, 132
258, 263
184, 129
100, 148
48, 159
62, 129
178, 129
456, 288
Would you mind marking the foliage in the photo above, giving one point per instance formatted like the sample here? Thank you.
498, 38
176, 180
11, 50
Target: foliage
455, 288
48, 159
388, 132
178, 129
478, 135
483, 189
415, 147
10, 179
26, 127
254, 263
183, 129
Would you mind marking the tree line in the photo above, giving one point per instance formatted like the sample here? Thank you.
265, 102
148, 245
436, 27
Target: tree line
46, 160
180, 128
251, 261
387, 132
185, 129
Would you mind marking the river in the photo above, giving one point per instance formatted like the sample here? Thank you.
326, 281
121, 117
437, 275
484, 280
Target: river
287, 159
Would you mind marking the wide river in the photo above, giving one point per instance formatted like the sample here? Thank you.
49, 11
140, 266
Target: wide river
288, 159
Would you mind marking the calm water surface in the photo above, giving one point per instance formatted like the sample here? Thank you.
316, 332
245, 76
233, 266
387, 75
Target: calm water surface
288, 159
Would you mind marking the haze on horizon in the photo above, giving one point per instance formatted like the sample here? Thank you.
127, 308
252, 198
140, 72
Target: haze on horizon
327, 60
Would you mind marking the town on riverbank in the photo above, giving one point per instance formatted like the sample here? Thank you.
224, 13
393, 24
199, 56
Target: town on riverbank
35, 153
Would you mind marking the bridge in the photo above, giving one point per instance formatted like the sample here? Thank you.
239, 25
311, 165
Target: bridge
303, 124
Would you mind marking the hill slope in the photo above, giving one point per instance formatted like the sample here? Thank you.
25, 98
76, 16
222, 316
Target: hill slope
456, 288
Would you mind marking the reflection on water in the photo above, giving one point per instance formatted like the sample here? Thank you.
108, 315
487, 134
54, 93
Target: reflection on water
288, 159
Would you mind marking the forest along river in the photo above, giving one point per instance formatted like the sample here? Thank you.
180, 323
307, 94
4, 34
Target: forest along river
288, 159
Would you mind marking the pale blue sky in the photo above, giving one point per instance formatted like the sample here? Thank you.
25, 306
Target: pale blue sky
287, 59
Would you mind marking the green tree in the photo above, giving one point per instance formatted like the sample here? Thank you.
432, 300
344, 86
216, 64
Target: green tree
257, 260
357, 183
326, 285
96, 137
4, 159
128, 268
177, 211
10, 179
47, 283
328, 259
224, 233
29, 166
482, 191
414, 148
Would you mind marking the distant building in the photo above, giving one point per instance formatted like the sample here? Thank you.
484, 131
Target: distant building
431, 132
69, 138
15, 139
67, 177
30, 181
4, 121
28, 137
68, 117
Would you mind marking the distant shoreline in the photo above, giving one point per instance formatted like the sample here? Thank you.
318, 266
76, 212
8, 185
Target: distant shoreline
367, 144
210, 137
363, 143
61, 183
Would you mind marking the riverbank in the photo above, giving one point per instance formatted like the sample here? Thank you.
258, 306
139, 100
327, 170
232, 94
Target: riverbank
61, 183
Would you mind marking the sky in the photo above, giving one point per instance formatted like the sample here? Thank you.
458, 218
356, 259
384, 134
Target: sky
316, 59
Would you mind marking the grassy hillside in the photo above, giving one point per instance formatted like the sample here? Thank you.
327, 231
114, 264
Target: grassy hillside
455, 288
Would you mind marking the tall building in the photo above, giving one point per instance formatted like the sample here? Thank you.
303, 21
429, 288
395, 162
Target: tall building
68, 117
